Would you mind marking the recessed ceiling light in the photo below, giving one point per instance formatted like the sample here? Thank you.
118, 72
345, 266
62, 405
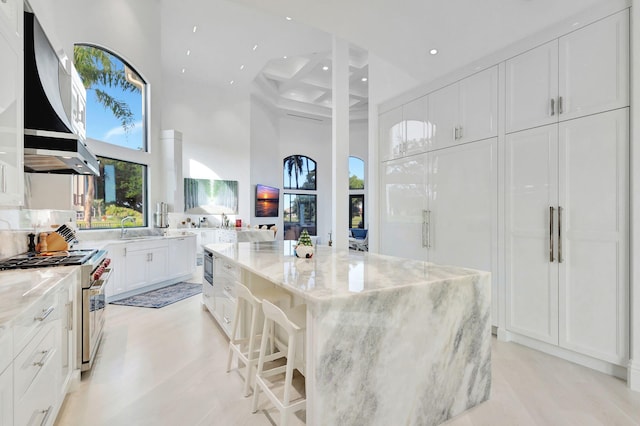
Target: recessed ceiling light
288, 18
195, 28
255, 46
433, 51
241, 67
325, 68
188, 52
183, 70
364, 79
575, 24
231, 82
284, 57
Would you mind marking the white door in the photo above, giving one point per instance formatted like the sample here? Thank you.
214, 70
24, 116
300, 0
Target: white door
135, 268
594, 193
479, 106
117, 283
531, 191
532, 87
391, 134
403, 200
178, 257
462, 183
414, 115
594, 67
443, 106
158, 264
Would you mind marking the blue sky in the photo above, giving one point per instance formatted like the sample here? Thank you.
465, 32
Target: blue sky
356, 167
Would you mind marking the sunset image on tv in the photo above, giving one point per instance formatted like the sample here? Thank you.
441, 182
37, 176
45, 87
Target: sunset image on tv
267, 201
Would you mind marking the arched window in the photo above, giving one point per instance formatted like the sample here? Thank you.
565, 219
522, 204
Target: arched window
116, 99
356, 192
300, 199
299, 173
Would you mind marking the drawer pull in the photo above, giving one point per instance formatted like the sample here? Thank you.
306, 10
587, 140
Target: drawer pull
46, 413
226, 320
45, 314
43, 360
206, 295
226, 265
227, 289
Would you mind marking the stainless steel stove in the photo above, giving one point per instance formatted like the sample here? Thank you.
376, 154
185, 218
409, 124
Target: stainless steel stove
48, 259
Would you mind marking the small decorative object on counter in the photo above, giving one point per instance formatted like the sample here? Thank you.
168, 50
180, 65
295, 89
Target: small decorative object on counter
238, 223
304, 248
330, 242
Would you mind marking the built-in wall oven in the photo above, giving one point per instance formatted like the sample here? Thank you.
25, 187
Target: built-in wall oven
208, 267
94, 281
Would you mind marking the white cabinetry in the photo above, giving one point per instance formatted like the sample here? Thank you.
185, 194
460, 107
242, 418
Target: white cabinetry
11, 99
582, 73
567, 234
66, 303
464, 111
145, 263
219, 297
442, 207
391, 134
6, 397
182, 256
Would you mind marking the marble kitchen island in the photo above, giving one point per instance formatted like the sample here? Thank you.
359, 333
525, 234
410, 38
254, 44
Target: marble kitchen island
389, 341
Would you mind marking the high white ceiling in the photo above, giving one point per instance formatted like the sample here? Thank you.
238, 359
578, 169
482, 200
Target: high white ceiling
400, 31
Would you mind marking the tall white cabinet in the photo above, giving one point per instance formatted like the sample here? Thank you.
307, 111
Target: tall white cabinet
560, 159
11, 100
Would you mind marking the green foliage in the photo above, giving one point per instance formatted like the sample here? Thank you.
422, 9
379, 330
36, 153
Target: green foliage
97, 67
122, 212
355, 182
305, 239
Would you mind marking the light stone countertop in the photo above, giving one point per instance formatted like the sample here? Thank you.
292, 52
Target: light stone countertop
331, 273
20, 288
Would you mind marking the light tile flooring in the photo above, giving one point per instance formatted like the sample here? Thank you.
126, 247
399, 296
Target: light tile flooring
167, 367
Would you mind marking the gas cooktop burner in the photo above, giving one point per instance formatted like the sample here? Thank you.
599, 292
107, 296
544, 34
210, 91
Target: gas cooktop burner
42, 260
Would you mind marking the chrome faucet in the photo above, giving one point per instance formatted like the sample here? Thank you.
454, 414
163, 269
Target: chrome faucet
122, 230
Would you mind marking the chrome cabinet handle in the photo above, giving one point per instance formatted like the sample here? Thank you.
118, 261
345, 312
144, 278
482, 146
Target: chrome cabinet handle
551, 258
45, 314
560, 260
424, 228
226, 320
455, 133
46, 413
553, 105
43, 360
560, 105
428, 228
227, 289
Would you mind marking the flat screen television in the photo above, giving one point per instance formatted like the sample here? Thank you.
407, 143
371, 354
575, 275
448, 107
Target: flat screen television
267, 201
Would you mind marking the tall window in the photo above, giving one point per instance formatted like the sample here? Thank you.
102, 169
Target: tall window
356, 192
115, 114
300, 199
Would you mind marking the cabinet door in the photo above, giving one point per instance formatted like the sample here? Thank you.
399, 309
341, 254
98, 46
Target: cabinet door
594, 193
11, 168
11, 18
479, 106
532, 84
391, 134
531, 274
158, 260
135, 268
443, 116
6, 397
594, 67
403, 201
117, 282
179, 252
462, 184
414, 115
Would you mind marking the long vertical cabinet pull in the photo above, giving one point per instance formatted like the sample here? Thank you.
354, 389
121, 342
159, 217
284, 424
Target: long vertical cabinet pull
551, 257
3, 172
559, 104
428, 228
424, 228
560, 260
553, 108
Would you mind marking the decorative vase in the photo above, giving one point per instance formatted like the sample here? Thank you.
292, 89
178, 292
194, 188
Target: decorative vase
305, 252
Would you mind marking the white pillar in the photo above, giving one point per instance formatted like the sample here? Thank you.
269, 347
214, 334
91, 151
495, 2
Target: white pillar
633, 375
340, 144
173, 191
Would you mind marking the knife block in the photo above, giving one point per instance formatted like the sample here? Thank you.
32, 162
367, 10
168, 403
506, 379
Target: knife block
55, 242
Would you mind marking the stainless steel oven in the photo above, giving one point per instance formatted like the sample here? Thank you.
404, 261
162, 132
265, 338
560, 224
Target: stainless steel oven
208, 267
95, 278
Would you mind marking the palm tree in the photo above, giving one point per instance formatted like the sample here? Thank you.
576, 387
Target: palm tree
293, 164
97, 68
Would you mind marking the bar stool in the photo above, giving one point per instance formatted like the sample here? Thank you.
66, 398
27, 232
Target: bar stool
293, 322
245, 348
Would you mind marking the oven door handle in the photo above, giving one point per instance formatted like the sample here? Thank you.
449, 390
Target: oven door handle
102, 282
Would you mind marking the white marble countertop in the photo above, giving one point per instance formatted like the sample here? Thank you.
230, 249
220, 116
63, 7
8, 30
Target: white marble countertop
332, 273
20, 288
85, 242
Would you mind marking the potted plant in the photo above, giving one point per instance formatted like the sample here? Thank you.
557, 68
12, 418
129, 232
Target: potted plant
304, 249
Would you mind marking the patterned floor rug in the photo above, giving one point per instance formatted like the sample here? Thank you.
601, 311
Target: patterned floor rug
162, 296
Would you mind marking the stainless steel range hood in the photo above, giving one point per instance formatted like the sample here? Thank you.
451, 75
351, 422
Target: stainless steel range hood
50, 146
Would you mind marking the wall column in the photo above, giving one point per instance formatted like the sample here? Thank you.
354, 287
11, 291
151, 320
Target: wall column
171, 166
340, 144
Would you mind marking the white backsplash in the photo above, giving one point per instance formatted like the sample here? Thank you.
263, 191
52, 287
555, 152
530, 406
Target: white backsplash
16, 224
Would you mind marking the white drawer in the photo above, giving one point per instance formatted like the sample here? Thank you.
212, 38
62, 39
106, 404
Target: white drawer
36, 359
229, 268
41, 313
6, 346
227, 309
37, 405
